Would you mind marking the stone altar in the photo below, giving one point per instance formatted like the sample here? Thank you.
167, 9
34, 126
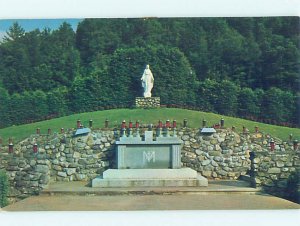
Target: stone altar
149, 162
162, 153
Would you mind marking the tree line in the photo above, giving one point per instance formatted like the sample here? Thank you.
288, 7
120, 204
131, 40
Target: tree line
244, 67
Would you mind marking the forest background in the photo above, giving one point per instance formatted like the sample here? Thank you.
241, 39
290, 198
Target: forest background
242, 67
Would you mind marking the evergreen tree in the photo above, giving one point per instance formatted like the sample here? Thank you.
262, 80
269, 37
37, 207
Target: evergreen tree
4, 108
14, 33
248, 104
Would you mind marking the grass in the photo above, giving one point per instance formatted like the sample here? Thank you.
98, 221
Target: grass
145, 116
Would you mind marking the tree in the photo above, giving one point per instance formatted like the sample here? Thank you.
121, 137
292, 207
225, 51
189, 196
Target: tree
248, 104
17, 109
57, 101
174, 79
227, 100
273, 106
207, 95
14, 33
4, 108
40, 106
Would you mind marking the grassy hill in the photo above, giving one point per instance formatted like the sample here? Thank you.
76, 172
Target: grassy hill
145, 116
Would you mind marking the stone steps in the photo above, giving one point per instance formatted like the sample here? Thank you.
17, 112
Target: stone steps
184, 177
214, 187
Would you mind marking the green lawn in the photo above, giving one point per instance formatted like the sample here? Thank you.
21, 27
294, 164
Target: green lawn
145, 116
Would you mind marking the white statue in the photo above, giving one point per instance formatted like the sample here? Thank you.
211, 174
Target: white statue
147, 81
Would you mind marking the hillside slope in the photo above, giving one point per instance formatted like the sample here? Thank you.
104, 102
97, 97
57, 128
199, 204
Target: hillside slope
145, 116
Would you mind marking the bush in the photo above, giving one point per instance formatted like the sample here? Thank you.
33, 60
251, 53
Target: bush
3, 189
293, 187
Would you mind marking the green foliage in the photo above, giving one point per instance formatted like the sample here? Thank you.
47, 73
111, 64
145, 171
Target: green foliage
4, 108
293, 187
14, 32
221, 97
208, 93
279, 105
174, 78
3, 188
39, 60
57, 101
248, 105
199, 62
227, 100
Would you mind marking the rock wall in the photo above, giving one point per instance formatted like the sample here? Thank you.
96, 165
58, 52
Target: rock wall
274, 170
60, 157
223, 155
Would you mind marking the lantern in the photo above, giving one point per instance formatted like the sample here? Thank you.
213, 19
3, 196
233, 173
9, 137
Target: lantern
106, 123
174, 123
272, 145
295, 145
35, 148
185, 122
222, 122
10, 148
123, 125
168, 123
78, 124
160, 125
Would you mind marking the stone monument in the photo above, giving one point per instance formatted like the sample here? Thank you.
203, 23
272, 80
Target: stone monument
148, 161
147, 83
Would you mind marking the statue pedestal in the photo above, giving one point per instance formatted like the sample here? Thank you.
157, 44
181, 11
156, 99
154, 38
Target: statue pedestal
147, 102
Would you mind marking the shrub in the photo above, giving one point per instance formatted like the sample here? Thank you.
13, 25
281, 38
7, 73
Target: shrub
293, 187
3, 188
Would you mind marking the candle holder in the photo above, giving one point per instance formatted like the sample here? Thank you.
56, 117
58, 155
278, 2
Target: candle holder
272, 145
185, 122
78, 124
10, 148
35, 148
203, 123
295, 145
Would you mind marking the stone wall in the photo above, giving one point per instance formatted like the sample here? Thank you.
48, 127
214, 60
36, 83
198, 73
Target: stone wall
147, 102
223, 155
273, 170
60, 157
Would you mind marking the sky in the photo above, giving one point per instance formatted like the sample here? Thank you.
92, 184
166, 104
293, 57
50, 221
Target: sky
32, 24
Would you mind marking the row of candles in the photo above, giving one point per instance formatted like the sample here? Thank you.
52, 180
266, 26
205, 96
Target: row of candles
35, 146
137, 125
160, 124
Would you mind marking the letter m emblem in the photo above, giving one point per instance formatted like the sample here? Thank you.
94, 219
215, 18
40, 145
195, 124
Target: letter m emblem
148, 156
